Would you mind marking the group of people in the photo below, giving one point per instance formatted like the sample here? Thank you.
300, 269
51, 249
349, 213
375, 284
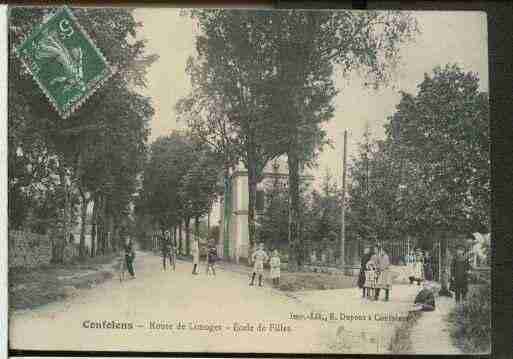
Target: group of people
211, 257
420, 266
375, 273
259, 258
169, 252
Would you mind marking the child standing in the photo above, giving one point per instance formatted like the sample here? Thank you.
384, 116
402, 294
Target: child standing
418, 268
259, 257
371, 276
275, 264
211, 259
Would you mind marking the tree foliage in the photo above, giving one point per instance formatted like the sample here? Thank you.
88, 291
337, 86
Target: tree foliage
269, 75
431, 173
180, 181
101, 147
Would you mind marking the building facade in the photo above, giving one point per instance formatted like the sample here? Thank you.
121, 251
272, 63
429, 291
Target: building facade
234, 206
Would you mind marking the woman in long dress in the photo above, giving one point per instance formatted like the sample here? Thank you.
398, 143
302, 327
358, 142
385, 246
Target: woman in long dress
385, 275
428, 267
361, 277
418, 269
371, 274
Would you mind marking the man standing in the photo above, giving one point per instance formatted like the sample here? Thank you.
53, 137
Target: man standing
166, 248
129, 256
428, 267
384, 276
258, 257
172, 250
361, 277
460, 269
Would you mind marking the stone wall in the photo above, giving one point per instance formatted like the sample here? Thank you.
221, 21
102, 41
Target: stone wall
28, 249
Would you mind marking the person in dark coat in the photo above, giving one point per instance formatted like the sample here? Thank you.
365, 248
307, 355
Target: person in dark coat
361, 277
460, 269
211, 259
428, 267
129, 256
425, 299
166, 249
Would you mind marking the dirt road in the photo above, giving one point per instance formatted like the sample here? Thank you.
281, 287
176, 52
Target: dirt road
176, 311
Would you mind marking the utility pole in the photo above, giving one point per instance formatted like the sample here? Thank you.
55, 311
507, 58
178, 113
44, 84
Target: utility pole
343, 219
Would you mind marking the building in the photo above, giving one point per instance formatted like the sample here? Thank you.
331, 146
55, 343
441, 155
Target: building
235, 203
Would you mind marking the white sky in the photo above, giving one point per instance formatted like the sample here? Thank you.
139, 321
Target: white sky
446, 37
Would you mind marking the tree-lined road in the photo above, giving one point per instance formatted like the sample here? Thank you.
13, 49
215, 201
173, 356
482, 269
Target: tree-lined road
166, 298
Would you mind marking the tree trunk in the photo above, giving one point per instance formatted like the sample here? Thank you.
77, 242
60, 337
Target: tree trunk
83, 219
444, 290
196, 228
252, 187
106, 228
208, 222
58, 250
226, 214
294, 235
187, 237
94, 226
109, 228
180, 237
101, 225
197, 232
114, 234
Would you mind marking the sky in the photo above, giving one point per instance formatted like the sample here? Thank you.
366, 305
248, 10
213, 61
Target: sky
445, 37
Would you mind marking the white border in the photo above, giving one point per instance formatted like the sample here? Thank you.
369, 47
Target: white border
3, 181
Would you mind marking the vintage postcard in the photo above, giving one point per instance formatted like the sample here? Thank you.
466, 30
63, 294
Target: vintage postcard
248, 181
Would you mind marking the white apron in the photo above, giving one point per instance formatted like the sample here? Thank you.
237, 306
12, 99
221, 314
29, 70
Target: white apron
385, 279
259, 257
418, 270
275, 267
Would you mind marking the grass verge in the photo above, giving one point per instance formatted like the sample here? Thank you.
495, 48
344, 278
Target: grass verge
298, 281
33, 287
401, 340
471, 321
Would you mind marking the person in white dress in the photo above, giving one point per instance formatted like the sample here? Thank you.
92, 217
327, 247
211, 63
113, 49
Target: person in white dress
275, 264
418, 269
384, 280
371, 274
259, 257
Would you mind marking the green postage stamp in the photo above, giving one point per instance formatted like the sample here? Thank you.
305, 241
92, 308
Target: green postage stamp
64, 61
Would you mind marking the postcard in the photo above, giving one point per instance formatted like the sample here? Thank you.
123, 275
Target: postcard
248, 181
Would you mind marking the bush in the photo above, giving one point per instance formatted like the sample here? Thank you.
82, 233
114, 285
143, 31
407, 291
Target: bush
472, 321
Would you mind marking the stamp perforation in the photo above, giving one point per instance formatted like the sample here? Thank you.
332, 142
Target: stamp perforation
107, 73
